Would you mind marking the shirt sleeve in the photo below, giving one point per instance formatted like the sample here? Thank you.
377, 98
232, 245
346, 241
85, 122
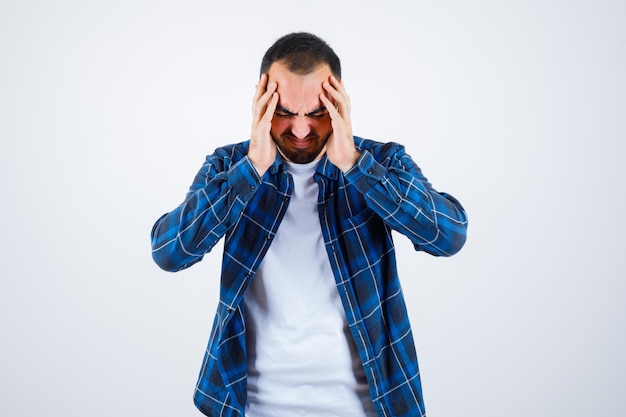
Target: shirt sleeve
215, 200
397, 191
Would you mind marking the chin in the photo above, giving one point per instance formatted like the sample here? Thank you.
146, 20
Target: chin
303, 157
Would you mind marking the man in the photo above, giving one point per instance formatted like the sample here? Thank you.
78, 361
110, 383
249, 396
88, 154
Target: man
311, 318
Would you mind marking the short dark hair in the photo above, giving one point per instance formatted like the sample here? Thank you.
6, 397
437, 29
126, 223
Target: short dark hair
303, 53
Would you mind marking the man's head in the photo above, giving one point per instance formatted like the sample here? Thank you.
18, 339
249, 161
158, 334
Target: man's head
302, 53
299, 63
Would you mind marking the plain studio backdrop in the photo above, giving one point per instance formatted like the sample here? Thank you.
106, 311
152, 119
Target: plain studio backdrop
517, 108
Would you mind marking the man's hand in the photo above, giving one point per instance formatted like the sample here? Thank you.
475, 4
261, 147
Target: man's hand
262, 152
340, 148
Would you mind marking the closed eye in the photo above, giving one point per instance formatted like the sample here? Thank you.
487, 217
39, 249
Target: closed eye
283, 112
315, 114
318, 115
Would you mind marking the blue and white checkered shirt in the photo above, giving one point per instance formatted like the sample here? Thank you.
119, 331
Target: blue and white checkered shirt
384, 191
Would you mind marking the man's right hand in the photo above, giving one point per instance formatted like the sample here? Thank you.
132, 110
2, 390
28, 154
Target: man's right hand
262, 151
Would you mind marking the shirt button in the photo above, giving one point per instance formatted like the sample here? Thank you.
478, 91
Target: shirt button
268, 237
369, 171
252, 187
398, 200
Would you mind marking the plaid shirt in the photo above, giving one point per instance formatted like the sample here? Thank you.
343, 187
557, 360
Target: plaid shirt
385, 190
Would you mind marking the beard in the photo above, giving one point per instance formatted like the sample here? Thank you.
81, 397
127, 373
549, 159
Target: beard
301, 155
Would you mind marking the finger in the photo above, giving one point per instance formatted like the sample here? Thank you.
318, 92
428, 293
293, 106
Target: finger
261, 104
270, 109
260, 88
330, 106
338, 85
337, 106
338, 93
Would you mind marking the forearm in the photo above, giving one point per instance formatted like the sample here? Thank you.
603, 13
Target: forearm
399, 193
214, 202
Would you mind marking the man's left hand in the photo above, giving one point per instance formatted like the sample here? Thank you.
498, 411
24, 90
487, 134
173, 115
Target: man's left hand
340, 147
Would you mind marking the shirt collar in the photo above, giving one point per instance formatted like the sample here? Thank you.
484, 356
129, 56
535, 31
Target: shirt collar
327, 168
324, 167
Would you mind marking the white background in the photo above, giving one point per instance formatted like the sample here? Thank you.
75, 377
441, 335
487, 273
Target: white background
518, 108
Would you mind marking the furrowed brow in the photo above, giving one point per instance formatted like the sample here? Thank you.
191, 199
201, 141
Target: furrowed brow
281, 109
316, 112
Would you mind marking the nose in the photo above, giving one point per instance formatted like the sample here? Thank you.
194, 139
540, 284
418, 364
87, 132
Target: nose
300, 128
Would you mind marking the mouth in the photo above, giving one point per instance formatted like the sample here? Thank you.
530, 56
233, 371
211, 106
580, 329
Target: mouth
299, 143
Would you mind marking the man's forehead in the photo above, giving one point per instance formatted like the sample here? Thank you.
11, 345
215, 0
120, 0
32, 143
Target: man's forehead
299, 94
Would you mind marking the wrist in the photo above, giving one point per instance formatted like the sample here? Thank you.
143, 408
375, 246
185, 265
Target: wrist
349, 162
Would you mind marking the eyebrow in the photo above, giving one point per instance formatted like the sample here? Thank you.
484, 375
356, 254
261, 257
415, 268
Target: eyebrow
315, 112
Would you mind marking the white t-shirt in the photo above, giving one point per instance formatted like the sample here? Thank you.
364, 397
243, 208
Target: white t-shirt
301, 357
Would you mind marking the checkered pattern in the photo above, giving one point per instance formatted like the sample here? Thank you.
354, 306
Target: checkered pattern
385, 190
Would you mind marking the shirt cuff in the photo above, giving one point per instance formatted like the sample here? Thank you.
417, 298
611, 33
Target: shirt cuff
243, 178
366, 173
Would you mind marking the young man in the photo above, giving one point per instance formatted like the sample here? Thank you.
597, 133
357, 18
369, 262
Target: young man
311, 318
